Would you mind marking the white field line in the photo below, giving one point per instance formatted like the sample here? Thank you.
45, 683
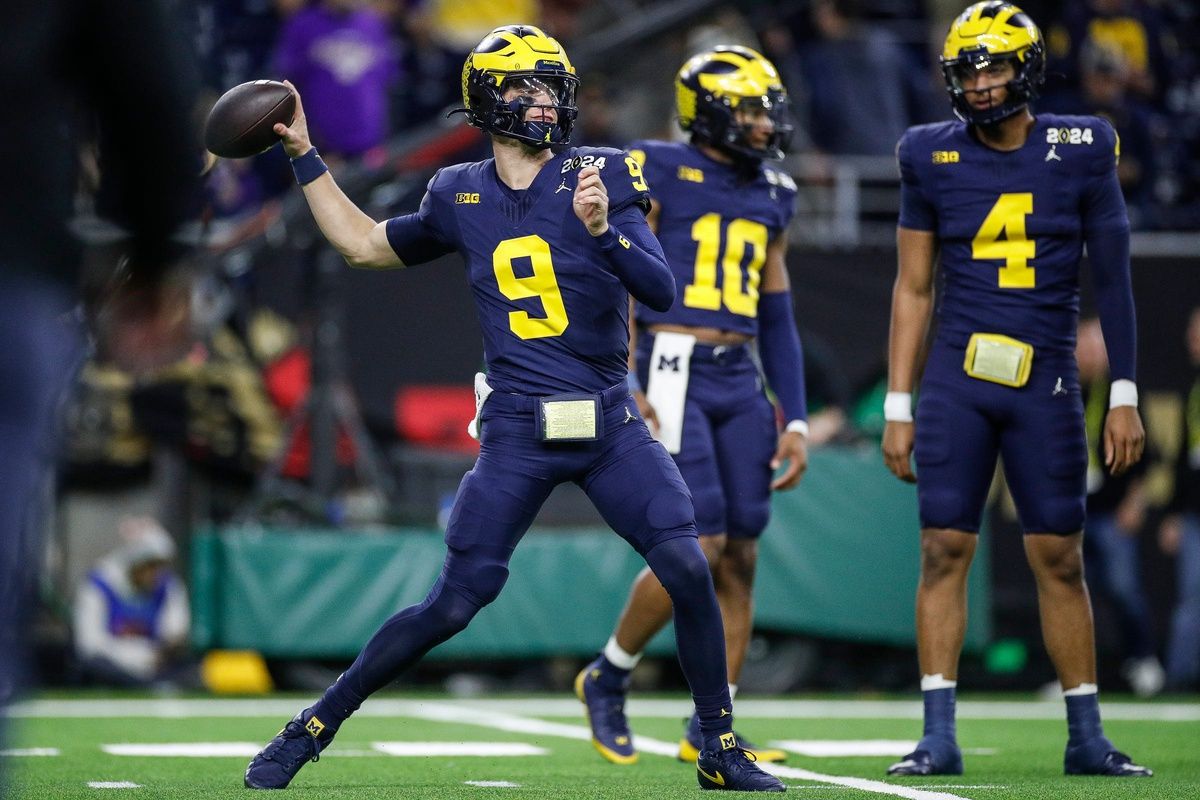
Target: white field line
493, 784
841, 748
113, 785
448, 749
25, 752
564, 707
511, 722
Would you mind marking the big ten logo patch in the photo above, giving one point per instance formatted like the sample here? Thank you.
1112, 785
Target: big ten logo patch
466, 197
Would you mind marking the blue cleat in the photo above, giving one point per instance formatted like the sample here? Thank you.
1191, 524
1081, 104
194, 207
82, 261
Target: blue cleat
722, 764
605, 709
1098, 756
933, 756
299, 742
693, 740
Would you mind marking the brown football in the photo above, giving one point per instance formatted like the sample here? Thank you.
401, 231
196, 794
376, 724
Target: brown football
240, 124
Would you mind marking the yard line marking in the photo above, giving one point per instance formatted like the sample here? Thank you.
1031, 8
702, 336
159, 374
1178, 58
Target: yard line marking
839, 748
22, 752
405, 749
494, 784
113, 785
567, 707
183, 749
441, 712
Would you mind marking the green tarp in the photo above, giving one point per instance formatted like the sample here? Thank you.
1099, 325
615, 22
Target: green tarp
839, 559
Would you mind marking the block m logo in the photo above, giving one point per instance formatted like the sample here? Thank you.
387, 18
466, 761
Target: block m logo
665, 363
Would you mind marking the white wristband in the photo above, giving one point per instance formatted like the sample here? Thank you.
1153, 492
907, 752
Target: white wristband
1122, 393
797, 426
897, 407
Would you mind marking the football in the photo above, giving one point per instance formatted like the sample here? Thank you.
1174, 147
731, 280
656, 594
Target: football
240, 123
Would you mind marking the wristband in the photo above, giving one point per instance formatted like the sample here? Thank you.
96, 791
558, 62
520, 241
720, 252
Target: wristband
308, 167
632, 383
897, 407
797, 426
1123, 393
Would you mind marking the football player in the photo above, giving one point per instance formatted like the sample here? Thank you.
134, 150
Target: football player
1010, 200
554, 246
721, 216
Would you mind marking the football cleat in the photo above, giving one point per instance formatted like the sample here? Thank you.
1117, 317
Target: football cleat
605, 710
294, 746
933, 756
722, 764
1098, 756
693, 741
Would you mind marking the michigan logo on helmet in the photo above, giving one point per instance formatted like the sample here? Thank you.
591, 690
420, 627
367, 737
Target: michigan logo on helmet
991, 37
721, 92
518, 82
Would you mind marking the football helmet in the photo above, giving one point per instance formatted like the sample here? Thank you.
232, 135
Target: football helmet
985, 34
712, 86
521, 58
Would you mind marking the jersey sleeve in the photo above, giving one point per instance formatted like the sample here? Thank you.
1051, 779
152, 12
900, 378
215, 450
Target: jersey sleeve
916, 211
421, 236
625, 181
1102, 200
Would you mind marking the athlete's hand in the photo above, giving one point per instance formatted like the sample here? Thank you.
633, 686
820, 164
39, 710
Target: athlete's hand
794, 451
1124, 439
295, 136
591, 201
647, 411
897, 450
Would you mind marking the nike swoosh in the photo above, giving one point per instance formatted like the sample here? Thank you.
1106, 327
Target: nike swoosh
718, 779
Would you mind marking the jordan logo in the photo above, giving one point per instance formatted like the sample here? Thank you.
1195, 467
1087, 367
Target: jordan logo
562, 186
1052, 154
1058, 389
628, 416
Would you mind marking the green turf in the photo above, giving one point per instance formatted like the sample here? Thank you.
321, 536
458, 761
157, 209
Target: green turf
1027, 763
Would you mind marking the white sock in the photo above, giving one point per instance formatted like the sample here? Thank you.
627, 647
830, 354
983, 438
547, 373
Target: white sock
732, 691
936, 681
618, 657
1082, 689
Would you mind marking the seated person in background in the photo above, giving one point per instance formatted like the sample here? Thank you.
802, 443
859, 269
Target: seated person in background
131, 614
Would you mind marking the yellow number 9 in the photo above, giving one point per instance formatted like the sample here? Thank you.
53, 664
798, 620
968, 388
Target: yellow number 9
635, 171
541, 284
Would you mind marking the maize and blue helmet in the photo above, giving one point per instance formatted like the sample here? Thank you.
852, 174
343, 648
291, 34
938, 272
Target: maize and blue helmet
989, 33
525, 58
712, 86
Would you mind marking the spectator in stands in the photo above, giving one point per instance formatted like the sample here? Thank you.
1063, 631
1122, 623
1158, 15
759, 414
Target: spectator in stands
338, 52
1133, 28
1116, 512
131, 615
1179, 534
849, 62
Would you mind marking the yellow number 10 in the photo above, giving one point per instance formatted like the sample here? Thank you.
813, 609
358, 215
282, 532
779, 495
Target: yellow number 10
1007, 218
541, 284
702, 292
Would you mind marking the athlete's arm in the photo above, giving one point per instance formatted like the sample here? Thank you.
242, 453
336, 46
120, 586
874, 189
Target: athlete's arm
362, 241
1106, 231
912, 306
783, 362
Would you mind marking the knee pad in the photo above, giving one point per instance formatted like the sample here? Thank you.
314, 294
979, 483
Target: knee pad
1062, 515
680, 566
478, 573
749, 519
945, 508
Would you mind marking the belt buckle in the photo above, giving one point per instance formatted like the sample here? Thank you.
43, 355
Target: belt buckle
569, 418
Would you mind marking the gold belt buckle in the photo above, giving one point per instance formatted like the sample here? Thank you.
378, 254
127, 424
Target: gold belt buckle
999, 359
569, 419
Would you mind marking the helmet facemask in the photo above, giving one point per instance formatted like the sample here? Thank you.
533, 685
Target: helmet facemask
1021, 88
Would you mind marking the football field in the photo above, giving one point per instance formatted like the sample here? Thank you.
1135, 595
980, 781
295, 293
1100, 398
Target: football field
539, 747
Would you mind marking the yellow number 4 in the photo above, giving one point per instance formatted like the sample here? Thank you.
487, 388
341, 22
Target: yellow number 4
541, 284
1007, 219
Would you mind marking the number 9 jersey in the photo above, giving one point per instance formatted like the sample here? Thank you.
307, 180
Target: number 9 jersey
714, 226
1011, 225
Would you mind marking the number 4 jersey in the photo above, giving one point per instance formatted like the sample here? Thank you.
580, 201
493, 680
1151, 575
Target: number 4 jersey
1011, 225
714, 227
553, 313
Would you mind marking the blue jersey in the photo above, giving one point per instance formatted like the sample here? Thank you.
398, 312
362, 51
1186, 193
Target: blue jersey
554, 314
714, 227
1011, 225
